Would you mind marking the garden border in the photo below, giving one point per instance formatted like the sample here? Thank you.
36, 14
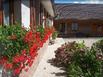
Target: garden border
36, 62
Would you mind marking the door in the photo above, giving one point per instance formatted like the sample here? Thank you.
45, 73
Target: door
62, 28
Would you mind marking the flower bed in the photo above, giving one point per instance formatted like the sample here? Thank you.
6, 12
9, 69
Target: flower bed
32, 69
79, 60
19, 47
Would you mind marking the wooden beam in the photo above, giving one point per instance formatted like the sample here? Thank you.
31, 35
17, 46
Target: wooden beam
33, 15
1, 12
41, 10
17, 12
37, 12
11, 12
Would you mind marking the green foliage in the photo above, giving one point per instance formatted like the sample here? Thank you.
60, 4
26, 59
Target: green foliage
80, 45
54, 35
41, 30
65, 53
98, 45
88, 63
11, 40
74, 71
79, 60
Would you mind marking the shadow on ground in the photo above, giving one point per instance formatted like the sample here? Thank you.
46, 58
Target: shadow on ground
58, 74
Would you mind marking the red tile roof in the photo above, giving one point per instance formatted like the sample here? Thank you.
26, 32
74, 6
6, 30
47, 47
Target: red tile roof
79, 11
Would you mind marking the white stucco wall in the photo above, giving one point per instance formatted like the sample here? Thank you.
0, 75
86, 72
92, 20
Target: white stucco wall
25, 13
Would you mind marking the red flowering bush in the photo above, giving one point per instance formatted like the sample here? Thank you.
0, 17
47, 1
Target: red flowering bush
18, 47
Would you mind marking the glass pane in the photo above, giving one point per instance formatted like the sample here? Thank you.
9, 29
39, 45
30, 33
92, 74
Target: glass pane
6, 12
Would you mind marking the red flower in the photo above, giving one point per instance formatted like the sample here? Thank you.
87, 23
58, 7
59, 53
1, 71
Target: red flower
33, 48
8, 66
17, 71
16, 59
37, 34
23, 52
29, 61
22, 65
26, 69
21, 58
1, 61
41, 44
45, 38
29, 36
30, 64
33, 55
4, 60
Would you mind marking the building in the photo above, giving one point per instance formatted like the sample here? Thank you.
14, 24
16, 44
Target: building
30, 14
79, 20
26, 12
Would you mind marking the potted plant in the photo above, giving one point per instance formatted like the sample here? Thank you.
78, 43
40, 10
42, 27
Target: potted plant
53, 37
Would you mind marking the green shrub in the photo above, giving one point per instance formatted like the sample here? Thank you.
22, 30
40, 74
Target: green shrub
98, 45
54, 35
79, 60
86, 63
41, 30
74, 71
64, 54
11, 40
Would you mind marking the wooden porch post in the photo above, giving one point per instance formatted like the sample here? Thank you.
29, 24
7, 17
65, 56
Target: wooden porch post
32, 15
37, 12
1, 12
11, 13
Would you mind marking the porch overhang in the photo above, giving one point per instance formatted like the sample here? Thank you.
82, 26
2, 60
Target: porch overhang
48, 5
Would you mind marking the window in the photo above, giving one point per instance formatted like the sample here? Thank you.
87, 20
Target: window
74, 26
6, 12
99, 28
62, 27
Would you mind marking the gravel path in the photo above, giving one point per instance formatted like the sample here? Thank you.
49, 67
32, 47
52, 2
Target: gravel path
45, 69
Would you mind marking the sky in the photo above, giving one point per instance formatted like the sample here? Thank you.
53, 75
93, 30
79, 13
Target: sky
80, 1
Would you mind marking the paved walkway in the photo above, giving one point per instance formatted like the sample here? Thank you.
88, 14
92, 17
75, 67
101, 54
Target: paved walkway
88, 41
45, 69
